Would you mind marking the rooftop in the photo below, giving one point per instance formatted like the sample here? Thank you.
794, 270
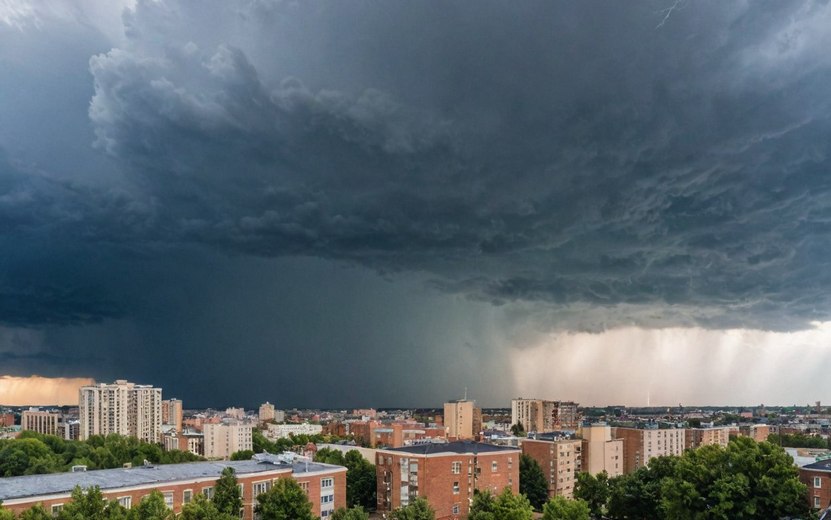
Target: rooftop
61, 483
460, 447
823, 465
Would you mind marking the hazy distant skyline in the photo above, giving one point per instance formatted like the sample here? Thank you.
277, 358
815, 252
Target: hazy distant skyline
381, 203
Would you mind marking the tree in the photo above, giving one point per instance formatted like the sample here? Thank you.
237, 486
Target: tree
637, 496
361, 484
483, 506
560, 508
286, 500
505, 506
354, 513
89, 505
518, 430
36, 512
227, 497
532, 482
242, 455
5, 514
200, 508
594, 490
152, 507
747, 479
418, 509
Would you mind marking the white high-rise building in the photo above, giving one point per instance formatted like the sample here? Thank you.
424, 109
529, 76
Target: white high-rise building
121, 407
223, 440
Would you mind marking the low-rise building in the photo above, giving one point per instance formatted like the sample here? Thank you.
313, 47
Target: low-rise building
817, 477
600, 451
41, 421
278, 431
325, 484
446, 475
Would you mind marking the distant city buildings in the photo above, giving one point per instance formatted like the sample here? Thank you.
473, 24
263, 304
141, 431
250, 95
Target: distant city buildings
697, 437
172, 413
121, 407
447, 475
41, 421
266, 413
462, 420
224, 439
279, 431
539, 415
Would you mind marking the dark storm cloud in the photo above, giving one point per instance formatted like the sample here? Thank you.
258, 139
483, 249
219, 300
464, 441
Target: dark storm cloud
650, 169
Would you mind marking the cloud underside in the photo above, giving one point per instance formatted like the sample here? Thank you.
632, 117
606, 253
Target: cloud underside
605, 162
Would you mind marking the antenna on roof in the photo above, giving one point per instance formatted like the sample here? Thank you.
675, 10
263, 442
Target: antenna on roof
465, 393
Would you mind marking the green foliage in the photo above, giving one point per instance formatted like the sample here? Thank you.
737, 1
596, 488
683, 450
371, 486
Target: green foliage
360, 475
152, 507
799, 440
5, 514
418, 509
559, 508
89, 505
200, 508
518, 430
594, 490
286, 500
242, 455
532, 482
637, 496
747, 480
34, 453
36, 512
355, 513
227, 497
505, 506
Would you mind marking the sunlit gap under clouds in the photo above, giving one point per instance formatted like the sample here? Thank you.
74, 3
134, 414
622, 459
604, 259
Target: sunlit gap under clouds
40, 391
691, 366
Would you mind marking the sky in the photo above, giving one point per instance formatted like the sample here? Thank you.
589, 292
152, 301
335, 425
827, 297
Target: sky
350, 204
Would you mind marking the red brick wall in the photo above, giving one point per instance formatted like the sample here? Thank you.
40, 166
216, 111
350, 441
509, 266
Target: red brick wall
823, 492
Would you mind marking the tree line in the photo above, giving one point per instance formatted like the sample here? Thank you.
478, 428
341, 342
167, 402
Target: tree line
33, 453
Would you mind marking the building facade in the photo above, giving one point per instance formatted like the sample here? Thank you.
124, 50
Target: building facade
325, 484
542, 416
121, 407
220, 441
266, 412
640, 445
462, 420
560, 462
817, 477
697, 437
600, 451
172, 413
446, 475
36, 420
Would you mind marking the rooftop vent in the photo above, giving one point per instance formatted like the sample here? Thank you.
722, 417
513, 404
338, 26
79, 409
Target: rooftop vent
78, 468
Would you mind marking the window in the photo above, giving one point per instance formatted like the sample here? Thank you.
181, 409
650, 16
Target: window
455, 509
260, 487
456, 488
494, 466
187, 496
168, 499
457, 468
817, 482
327, 499
56, 509
241, 492
125, 502
327, 482
305, 486
208, 492
817, 503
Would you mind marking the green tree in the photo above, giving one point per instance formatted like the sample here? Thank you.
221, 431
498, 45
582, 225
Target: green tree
242, 455
116, 511
200, 508
418, 509
637, 496
36, 512
532, 482
559, 508
361, 484
483, 506
354, 513
518, 430
227, 497
505, 506
152, 507
286, 500
5, 514
85, 505
747, 479
594, 490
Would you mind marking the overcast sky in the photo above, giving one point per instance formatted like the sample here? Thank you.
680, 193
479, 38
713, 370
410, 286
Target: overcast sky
361, 203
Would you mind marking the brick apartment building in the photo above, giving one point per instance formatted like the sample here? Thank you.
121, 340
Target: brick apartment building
817, 477
600, 452
697, 437
560, 462
325, 484
642, 445
445, 474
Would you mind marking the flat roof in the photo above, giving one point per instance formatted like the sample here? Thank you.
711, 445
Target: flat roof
823, 465
460, 447
108, 479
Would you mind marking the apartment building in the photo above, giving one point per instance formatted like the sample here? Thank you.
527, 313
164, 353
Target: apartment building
600, 451
325, 484
188, 440
121, 407
817, 477
172, 413
757, 432
462, 419
446, 475
220, 441
539, 415
40, 421
640, 445
278, 431
266, 412
560, 462
697, 437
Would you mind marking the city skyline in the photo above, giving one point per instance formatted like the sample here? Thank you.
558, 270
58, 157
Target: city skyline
347, 203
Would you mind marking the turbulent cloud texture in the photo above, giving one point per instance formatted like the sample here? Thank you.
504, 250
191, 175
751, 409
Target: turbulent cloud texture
580, 165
